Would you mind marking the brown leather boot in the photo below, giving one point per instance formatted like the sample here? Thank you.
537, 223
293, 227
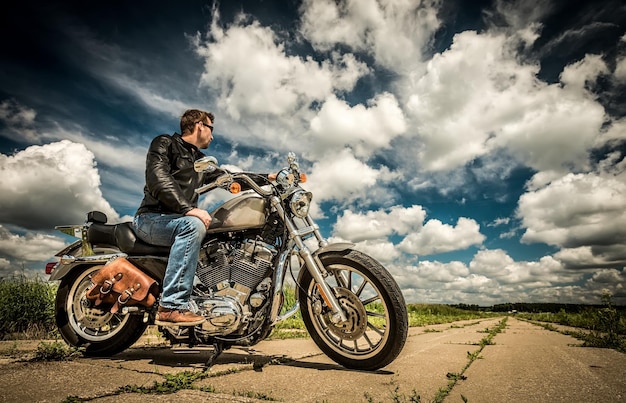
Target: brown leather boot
177, 317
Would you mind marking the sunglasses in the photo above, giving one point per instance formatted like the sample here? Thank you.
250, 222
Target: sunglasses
204, 124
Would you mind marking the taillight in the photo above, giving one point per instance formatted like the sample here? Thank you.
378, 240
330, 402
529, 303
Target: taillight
51, 266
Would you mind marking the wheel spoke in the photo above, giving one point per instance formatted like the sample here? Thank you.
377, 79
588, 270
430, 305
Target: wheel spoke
361, 288
370, 300
374, 328
369, 341
376, 314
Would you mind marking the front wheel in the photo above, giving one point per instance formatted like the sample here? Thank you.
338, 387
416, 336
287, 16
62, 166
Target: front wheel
101, 332
377, 324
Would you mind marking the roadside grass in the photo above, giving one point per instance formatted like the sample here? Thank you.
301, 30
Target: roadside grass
605, 327
435, 314
591, 338
26, 308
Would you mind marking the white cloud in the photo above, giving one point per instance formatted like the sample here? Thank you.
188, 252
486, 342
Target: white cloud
499, 221
576, 210
479, 91
19, 120
31, 247
433, 271
248, 66
492, 277
436, 237
340, 177
577, 75
5, 265
378, 224
107, 150
620, 69
53, 184
395, 33
520, 13
592, 257
383, 251
498, 265
365, 129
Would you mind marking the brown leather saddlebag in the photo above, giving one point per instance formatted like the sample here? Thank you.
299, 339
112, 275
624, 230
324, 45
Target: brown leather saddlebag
121, 283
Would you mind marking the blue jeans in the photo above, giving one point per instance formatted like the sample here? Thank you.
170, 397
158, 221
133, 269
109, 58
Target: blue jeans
185, 235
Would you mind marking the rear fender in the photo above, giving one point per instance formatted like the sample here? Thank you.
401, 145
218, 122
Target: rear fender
68, 264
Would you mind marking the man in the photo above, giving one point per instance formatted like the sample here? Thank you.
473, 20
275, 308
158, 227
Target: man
169, 215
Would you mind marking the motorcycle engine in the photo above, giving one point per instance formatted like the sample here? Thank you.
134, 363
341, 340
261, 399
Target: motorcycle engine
234, 283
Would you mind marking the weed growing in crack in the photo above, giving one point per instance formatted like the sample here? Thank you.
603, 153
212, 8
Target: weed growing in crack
56, 351
442, 393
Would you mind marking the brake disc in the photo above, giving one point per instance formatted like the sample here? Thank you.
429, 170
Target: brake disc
356, 324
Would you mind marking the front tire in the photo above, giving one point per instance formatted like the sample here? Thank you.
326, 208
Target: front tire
377, 324
101, 332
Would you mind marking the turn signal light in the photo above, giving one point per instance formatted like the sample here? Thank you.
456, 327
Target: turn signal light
234, 188
302, 178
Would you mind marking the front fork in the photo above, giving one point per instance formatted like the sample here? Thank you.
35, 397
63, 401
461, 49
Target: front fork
313, 263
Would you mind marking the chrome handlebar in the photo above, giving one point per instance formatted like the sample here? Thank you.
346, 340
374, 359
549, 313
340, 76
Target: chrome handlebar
228, 178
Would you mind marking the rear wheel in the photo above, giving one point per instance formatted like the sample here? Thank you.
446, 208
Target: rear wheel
377, 324
101, 332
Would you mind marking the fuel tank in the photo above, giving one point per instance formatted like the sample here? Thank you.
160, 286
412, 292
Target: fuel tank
242, 212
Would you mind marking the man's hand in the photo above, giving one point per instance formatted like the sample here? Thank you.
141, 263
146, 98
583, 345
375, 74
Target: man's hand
201, 214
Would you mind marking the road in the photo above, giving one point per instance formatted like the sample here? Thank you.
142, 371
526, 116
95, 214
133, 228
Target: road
523, 363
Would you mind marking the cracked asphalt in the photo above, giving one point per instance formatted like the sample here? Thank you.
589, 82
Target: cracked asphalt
524, 363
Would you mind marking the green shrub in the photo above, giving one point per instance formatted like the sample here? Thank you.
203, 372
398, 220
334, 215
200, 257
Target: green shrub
26, 306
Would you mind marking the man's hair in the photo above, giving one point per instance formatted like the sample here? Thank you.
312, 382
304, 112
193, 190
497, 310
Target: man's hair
191, 117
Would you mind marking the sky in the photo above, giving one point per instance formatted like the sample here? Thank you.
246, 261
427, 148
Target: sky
476, 149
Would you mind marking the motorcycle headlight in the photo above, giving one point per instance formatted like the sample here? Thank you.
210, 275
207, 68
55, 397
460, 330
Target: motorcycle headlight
300, 203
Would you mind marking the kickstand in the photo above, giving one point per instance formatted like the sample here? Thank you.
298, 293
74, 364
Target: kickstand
217, 350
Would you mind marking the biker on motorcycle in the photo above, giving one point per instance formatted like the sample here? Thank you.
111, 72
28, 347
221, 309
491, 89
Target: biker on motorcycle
227, 271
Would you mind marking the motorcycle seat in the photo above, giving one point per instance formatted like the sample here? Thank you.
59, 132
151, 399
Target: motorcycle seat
122, 236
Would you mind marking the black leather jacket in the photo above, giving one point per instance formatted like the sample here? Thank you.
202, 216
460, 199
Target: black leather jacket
170, 177
171, 180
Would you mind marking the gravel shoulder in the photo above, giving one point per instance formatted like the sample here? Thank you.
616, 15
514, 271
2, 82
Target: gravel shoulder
523, 363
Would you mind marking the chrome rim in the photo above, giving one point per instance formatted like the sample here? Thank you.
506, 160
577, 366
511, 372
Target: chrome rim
367, 330
91, 323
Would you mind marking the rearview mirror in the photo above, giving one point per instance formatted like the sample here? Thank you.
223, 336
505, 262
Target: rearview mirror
205, 164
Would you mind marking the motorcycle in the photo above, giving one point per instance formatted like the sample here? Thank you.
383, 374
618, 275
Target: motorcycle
350, 304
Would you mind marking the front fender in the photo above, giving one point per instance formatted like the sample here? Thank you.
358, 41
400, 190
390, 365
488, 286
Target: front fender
333, 247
